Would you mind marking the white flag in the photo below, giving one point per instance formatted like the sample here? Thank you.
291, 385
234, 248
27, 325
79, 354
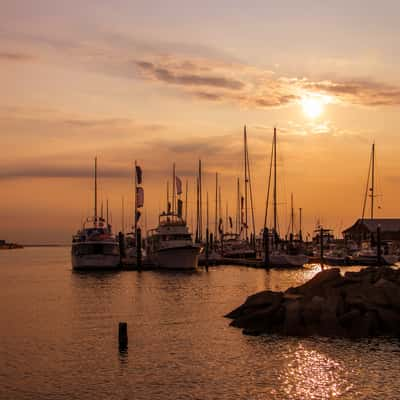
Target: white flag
139, 197
178, 185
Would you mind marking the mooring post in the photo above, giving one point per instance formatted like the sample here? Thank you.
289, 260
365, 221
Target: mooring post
139, 249
321, 244
207, 247
123, 335
378, 246
266, 247
211, 241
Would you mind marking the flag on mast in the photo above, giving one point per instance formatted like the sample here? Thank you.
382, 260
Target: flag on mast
138, 175
139, 197
178, 185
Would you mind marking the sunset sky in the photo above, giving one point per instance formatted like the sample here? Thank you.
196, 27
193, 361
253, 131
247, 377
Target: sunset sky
161, 81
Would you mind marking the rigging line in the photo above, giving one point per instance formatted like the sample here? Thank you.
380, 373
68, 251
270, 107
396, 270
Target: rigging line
269, 186
366, 189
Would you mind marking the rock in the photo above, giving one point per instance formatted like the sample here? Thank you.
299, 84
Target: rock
312, 310
258, 319
260, 299
315, 285
293, 321
347, 318
389, 321
361, 304
391, 292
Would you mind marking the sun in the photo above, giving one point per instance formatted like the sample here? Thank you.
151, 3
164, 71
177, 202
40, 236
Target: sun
313, 106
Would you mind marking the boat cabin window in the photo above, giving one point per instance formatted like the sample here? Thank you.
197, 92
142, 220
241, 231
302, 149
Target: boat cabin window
96, 248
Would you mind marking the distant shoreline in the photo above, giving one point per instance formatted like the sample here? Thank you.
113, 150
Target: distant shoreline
45, 245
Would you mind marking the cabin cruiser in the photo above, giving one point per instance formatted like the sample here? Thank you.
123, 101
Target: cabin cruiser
232, 246
95, 247
368, 255
170, 245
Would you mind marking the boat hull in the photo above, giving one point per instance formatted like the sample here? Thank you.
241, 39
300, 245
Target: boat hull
95, 262
287, 261
372, 260
176, 258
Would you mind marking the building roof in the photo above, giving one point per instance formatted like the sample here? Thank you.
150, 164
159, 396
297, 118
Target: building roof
386, 224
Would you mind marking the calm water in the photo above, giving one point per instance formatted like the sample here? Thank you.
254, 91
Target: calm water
58, 338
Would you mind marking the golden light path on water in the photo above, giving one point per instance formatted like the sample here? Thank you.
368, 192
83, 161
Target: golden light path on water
311, 374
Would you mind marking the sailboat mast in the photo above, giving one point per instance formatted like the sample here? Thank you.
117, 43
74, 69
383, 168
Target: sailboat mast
200, 204
167, 209
216, 206
245, 181
173, 188
238, 208
123, 215
275, 204
186, 200
372, 180
107, 212
95, 191
135, 211
292, 215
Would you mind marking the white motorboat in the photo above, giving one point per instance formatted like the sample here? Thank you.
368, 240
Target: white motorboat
170, 245
94, 246
232, 246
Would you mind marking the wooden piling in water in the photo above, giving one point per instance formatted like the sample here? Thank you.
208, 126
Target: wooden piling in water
321, 242
123, 335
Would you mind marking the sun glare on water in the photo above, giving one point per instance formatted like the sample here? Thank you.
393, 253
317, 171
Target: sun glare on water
312, 106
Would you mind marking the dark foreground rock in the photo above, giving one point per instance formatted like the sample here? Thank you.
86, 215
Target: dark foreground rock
358, 304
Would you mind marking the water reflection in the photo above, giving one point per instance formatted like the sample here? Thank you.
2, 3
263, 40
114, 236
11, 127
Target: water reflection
311, 374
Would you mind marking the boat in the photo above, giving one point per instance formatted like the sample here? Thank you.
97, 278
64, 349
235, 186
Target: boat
232, 246
281, 253
94, 247
170, 245
368, 252
368, 256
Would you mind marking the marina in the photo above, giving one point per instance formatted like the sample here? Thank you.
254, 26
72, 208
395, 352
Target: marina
199, 200
178, 338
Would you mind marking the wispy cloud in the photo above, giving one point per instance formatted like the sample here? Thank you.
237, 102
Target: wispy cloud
253, 87
15, 57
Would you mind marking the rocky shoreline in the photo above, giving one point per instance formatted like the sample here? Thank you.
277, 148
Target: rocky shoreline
356, 305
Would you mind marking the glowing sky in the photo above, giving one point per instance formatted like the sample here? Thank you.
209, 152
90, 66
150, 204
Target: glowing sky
176, 81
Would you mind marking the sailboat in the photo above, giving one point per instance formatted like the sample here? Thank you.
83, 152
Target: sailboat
170, 244
279, 256
94, 246
237, 244
368, 254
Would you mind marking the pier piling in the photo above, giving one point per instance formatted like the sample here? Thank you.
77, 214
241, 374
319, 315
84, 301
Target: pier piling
123, 335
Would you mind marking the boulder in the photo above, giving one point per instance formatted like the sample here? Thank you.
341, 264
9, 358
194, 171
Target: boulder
361, 304
314, 286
